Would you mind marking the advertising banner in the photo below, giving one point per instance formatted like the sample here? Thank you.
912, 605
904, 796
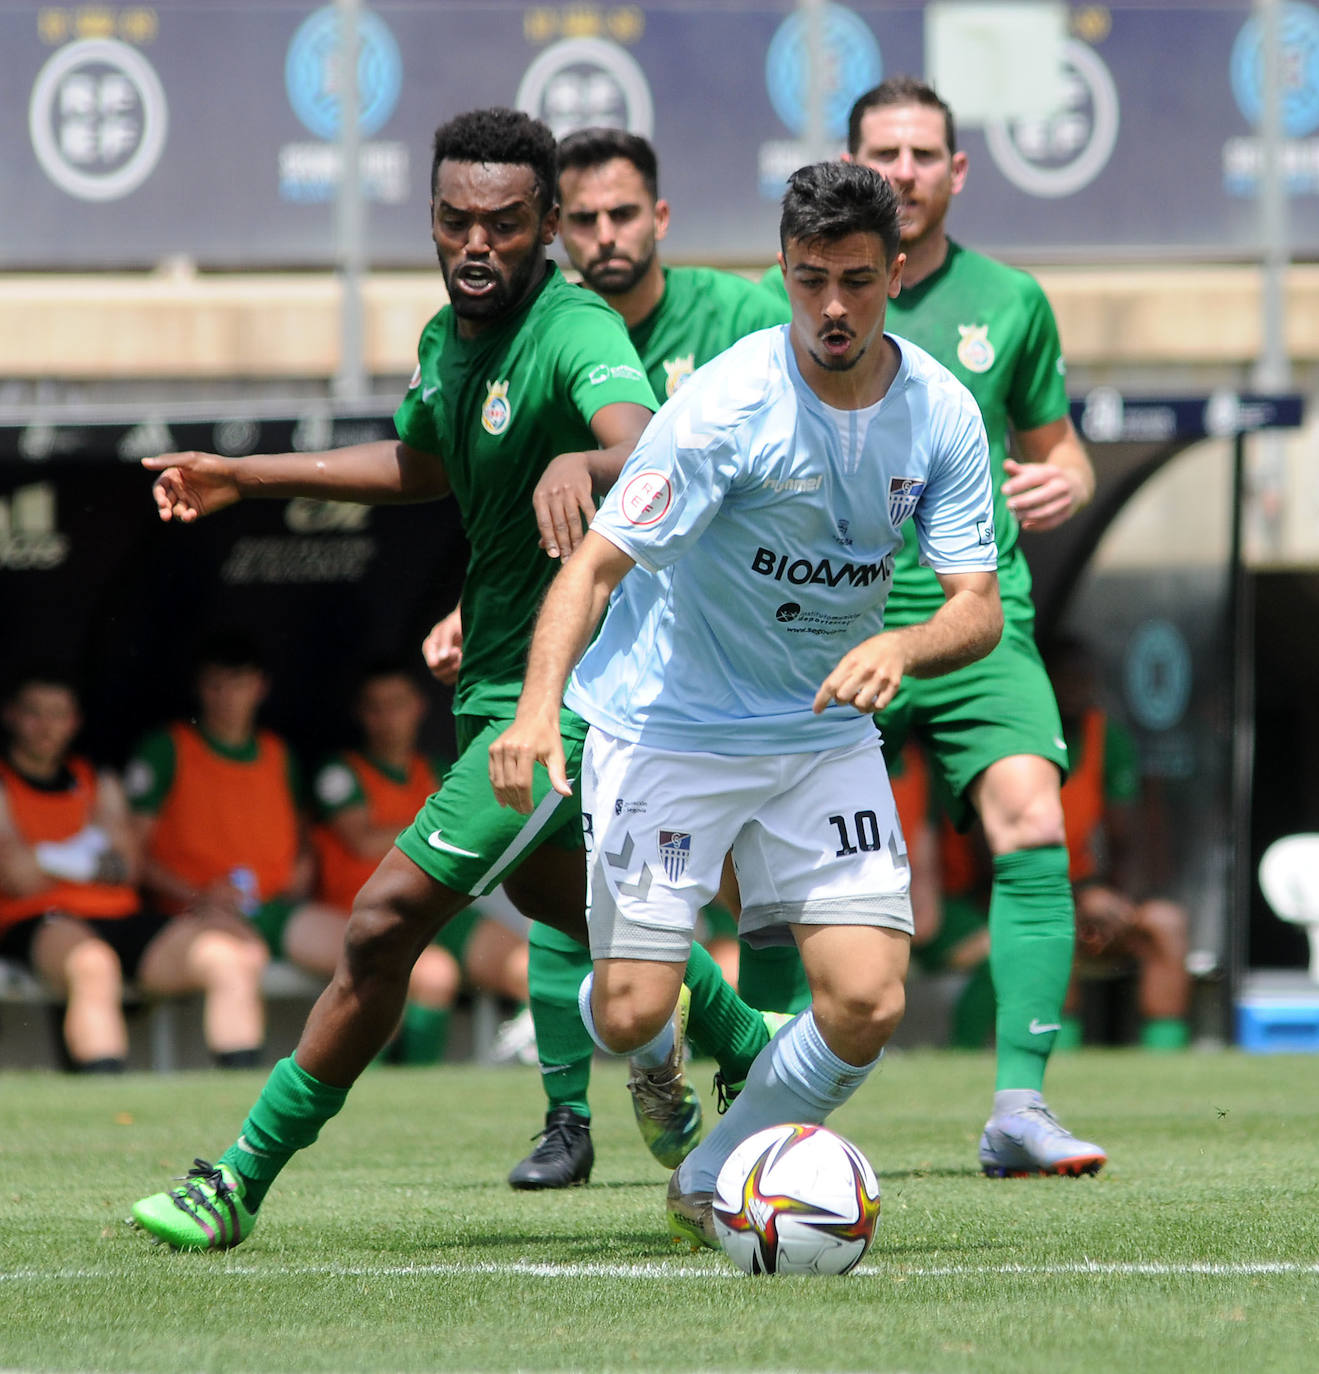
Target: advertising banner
132, 133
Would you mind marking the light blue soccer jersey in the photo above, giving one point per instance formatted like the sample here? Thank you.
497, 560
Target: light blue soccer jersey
764, 524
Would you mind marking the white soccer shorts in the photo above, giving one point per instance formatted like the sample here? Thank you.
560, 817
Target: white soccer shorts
815, 840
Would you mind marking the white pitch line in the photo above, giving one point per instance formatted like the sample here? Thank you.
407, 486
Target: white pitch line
528, 1269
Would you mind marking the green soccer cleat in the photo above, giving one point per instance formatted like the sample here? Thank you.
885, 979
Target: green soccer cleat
691, 1217
207, 1213
725, 1092
667, 1109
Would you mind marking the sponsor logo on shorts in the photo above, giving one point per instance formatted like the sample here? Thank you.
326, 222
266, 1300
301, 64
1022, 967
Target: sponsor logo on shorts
435, 842
903, 494
821, 572
675, 849
1038, 1027
646, 498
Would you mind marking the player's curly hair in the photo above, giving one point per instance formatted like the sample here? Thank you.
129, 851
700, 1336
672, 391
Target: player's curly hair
592, 147
830, 200
500, 135
898, 90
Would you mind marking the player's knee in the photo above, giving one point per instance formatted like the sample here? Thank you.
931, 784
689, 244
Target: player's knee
378, 942
92, 968
626, 1023
1164, 922
863, 1013
435, 979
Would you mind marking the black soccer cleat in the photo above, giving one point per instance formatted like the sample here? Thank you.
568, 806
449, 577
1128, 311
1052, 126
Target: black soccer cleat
563, 1155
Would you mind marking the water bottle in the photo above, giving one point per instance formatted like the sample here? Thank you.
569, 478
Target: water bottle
243, 881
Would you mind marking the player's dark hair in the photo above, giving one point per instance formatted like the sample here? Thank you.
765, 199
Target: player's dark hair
593, 147
499, 135
43, 673
898, 90
830, 200
230, 647
389, 665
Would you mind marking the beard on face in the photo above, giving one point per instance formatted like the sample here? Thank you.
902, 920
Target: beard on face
508, 291
617, 276
829, 361
831, 364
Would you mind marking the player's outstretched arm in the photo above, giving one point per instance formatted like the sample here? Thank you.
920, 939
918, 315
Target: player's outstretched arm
573, 606
564, 496
966, 627
191, 485
1055, 480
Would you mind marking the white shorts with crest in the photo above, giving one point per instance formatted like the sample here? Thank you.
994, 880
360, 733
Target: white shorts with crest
815, 840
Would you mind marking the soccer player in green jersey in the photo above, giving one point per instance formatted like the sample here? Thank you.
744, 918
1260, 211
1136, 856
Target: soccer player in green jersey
612, 220
527, 397
992, 729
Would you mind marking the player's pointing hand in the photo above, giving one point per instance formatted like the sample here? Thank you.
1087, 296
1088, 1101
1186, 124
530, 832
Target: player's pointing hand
191, 485
513, 759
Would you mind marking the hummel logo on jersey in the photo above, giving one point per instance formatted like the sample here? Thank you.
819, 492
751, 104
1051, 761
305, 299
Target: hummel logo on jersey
1038, 1027
823, 573
433, 839
793, 484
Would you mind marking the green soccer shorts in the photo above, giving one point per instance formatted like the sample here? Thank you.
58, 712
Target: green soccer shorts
992, 709
462, 836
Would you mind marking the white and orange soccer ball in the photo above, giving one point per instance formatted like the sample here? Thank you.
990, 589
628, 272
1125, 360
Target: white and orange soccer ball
796, 1199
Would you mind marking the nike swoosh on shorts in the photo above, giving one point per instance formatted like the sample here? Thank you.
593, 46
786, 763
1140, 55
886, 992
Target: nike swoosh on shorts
433, 839
1038, 1027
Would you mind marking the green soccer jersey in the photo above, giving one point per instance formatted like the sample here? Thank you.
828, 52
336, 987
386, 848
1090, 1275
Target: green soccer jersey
701, 313
495, 410
992, 327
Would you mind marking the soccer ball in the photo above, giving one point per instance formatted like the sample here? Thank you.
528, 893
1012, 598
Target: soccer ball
796, 1199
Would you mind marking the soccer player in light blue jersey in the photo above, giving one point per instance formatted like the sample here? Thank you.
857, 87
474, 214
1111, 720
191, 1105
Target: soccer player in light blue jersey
746, 552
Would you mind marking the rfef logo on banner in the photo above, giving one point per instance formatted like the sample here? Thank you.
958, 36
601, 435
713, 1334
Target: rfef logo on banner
1064, 153
98, 119
582, 83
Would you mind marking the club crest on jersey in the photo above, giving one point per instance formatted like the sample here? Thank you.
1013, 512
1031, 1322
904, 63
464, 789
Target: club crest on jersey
903, 494
975, 352
675, 848
676, 372
497, 412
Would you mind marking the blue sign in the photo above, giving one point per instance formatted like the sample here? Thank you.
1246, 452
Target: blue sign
852, 65
1299, 34
311, 72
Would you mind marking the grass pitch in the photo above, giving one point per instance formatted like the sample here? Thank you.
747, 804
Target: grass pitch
394, 1244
